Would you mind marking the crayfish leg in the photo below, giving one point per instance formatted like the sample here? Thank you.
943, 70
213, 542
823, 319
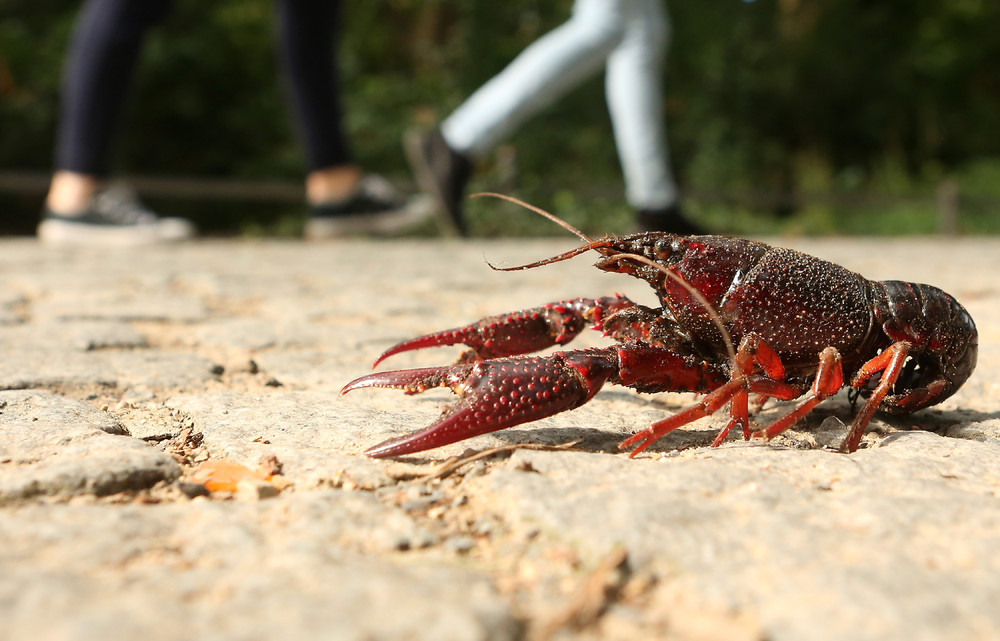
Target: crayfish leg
707, 405
829, 379
753, 352
890, 362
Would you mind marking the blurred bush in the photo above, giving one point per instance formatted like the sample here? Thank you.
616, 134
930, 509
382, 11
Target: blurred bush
776, 97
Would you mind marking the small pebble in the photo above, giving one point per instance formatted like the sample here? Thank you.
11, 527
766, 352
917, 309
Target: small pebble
255, 490
192, 490
460, 544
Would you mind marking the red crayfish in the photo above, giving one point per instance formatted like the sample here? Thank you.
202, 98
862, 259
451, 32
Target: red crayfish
798, 325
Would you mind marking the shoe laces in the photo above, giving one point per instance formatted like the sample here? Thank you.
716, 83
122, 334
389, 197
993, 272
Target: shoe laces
120, 205
377, 188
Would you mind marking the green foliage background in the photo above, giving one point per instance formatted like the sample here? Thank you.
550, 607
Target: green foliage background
769, 103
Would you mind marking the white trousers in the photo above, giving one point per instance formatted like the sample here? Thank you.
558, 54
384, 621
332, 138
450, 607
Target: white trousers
628, 38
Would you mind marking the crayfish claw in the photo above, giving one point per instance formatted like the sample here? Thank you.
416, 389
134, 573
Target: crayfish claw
513, 333
494, 394
412, 381
449, 337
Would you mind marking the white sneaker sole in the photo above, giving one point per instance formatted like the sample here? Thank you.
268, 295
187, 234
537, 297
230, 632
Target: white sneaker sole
66, 233
417, 210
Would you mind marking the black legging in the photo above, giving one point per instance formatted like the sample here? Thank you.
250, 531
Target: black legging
106, 43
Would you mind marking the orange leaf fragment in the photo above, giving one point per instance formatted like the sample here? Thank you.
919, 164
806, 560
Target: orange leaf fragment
224, 476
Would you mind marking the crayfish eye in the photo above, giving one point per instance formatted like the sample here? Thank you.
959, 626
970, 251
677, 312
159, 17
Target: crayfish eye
661, 248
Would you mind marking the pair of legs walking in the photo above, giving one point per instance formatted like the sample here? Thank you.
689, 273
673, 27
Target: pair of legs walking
105, 47
627, 37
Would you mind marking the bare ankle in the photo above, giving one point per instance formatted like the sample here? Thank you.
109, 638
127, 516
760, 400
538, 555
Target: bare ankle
332, 183
70, 192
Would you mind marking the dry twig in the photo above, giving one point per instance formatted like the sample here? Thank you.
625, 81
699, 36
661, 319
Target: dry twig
450, 466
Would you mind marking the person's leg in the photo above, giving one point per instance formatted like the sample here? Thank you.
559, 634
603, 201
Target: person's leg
311, 78
544, 71
551, 66
635, 101
100, 63
342, 198
79, 208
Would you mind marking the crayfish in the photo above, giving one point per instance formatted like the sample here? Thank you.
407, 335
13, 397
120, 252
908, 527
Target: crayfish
736, 317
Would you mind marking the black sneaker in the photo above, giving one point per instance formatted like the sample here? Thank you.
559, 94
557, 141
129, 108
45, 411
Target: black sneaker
442, 173
669, 219
114, 218
375, 208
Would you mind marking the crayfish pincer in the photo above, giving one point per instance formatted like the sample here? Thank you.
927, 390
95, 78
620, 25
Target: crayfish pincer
736, 317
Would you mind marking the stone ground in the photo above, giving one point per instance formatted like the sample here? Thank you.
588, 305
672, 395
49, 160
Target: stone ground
125, 373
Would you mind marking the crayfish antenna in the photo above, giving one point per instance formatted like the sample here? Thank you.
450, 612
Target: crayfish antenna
589, 243
576, 251
538, 210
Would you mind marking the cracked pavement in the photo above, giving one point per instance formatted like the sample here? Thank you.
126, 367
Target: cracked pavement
122, 374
